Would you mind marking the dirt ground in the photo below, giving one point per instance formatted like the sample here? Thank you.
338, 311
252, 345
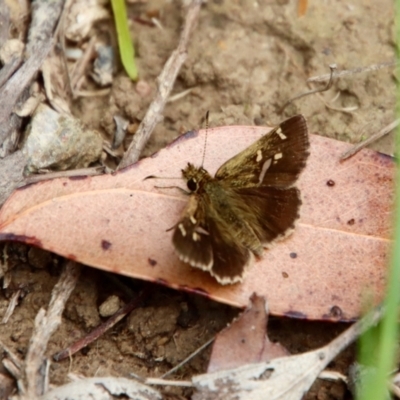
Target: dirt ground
246, 59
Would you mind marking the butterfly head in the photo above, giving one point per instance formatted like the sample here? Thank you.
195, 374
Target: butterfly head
195, 177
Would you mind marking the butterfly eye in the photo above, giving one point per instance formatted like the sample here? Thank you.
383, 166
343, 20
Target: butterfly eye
192, 185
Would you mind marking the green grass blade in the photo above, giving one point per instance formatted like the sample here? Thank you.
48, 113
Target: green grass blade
125, 44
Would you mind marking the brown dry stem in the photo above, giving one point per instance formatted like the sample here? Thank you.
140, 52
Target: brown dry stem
341, 74
376, 136
324, 89
46, 322
166, 82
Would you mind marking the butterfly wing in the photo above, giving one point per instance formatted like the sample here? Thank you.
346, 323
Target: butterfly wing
274, 160
191, 240
270, 212
205, 241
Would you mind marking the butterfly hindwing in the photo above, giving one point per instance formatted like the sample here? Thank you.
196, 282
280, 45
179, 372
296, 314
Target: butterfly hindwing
207, 243
274, 211
231, 258
191, 240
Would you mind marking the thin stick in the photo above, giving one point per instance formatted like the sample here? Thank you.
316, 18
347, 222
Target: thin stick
101, 329
63, 174
166, 82
187, 359
46, 322
324, 89
40, 42
340, 74
205, 139
370, 140
81, 64
11, 306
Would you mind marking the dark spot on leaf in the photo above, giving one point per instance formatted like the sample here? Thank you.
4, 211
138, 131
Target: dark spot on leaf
243, 340
285, 274
293, 255
65, 183
152, 262
72, 257
351, 221
105, 244
330, 183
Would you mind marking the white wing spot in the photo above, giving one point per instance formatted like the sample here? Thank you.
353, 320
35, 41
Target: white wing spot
264, 170
193, 219
278, 156
196, 237
259, 156
280, 133
182, 229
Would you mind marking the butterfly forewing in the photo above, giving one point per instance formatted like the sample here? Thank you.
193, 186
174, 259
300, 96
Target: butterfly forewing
274, 160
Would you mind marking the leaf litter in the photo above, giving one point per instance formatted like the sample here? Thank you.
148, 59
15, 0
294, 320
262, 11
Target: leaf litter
282, 377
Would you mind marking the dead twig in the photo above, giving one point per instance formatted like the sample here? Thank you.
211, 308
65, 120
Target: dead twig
166, 82
46, 322
40, 42
340, 74
324, 89
370, 140
11, 306
93, 171
187, 359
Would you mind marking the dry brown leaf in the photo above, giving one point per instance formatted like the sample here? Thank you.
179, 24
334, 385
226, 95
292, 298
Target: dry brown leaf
118, 223
283, 378
103, 388
245, 340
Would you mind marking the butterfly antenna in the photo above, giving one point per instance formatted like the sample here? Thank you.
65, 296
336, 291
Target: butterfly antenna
205, 140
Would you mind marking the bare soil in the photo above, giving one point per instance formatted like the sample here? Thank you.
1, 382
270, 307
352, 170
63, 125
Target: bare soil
246, 59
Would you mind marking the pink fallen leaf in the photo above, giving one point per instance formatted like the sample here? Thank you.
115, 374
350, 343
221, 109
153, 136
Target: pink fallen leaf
245, 340
118, 223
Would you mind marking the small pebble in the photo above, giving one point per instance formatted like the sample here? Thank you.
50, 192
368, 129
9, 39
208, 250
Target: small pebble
110, 306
